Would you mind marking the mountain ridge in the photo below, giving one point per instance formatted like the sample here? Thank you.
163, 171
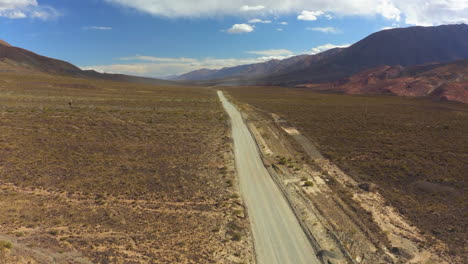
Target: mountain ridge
19, 59
399, 46
257, 70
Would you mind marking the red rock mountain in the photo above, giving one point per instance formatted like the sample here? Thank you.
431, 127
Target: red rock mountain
447, 81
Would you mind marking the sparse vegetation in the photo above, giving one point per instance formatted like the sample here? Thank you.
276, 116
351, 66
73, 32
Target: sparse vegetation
124, 165
283, 161
414, 148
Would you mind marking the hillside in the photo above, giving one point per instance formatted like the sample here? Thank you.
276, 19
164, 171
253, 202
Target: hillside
4, 43
14, 59
26, 59
444, 80
401, 46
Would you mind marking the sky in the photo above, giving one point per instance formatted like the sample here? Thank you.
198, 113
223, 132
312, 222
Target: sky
159, 38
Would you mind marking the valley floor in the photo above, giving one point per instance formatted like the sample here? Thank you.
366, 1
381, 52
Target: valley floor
106, 172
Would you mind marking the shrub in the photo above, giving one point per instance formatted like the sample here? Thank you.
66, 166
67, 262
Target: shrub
236, 236
282, 161
5, 245
237, 212
308, 184
229, 183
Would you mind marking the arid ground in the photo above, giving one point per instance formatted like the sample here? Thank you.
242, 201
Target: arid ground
106, 172
412, 150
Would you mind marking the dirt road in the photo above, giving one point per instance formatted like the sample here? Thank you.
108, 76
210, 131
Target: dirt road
277, 234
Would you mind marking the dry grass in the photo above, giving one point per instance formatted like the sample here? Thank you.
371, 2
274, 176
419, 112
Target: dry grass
415, 149
125, 174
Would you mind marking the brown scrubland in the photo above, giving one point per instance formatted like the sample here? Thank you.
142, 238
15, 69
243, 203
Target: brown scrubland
412, 150
108, 172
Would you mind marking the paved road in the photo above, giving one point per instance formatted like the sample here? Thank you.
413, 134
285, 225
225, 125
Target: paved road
278, 236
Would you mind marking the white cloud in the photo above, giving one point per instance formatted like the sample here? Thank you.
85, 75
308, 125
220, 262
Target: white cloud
434, 12
44, 13
324, 29
16, 4
97, 28
252, 8
310, 15
283, 23
326, 47
15, 14
413, 12
240, 28
254, 21
272, 52
388, 10
16, 9
280, 29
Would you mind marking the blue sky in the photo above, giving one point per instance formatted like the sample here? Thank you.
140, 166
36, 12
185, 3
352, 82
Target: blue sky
163, 37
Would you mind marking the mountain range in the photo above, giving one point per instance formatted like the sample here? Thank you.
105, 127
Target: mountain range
414, 61
399, 46
252, 71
